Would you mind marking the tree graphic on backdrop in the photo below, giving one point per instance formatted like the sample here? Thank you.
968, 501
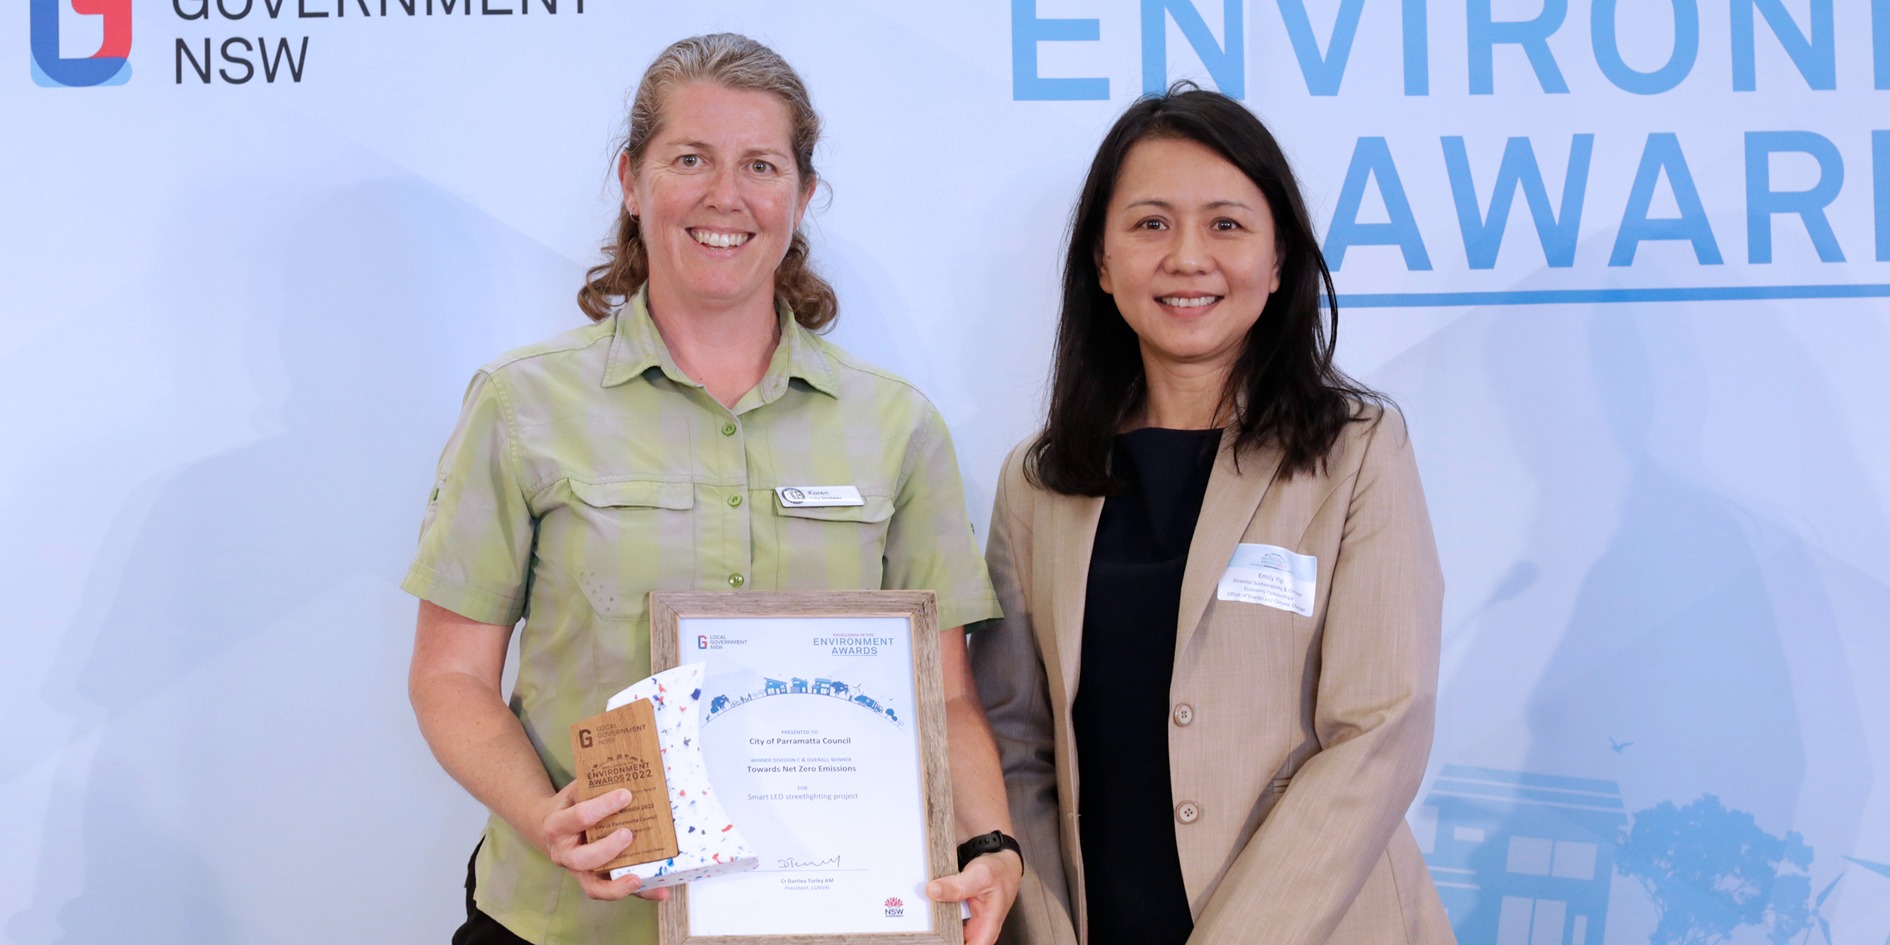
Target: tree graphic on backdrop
1711, 870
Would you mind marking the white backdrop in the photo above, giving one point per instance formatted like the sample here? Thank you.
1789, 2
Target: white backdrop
238, 317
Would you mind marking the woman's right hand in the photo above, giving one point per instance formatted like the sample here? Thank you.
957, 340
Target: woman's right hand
561, 836
455, 684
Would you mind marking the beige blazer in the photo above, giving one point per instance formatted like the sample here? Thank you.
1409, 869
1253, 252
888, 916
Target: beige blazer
1295, 743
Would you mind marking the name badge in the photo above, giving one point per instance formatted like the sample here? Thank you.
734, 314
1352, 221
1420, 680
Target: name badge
796, 497
1273, 576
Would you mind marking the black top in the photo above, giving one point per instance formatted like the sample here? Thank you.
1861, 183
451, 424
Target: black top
1131, 869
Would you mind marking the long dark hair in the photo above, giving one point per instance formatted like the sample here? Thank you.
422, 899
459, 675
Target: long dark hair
1283, 389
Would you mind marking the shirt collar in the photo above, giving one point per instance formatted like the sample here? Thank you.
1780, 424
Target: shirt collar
636, 346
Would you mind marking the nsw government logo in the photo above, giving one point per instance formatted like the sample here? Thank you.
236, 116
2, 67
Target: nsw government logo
109, 65
895, 908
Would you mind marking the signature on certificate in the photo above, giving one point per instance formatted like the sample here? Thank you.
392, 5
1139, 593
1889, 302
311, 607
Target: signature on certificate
792, 863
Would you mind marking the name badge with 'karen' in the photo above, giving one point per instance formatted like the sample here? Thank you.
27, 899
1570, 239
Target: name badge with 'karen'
797, 497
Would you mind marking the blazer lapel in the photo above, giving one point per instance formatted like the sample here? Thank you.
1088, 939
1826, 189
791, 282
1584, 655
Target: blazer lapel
1070, 539
1233, 496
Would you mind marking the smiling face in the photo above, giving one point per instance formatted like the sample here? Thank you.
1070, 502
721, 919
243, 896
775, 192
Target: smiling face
1188, 253
718, 197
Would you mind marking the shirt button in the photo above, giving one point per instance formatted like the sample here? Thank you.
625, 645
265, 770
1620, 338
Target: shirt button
1184, 714
736, 580
734, 501
1187, 812
728, 429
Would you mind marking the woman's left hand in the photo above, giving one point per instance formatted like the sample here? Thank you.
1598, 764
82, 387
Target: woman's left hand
989, 885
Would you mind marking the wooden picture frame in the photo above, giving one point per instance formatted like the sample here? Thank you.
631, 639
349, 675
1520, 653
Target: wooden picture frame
672, 617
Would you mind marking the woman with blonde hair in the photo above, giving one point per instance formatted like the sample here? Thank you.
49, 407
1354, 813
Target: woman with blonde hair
641, 453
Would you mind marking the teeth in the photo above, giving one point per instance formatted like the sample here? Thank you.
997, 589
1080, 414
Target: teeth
1179, 302
718, 240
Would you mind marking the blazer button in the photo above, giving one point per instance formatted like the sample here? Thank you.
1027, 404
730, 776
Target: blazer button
1184, 714
1187, 812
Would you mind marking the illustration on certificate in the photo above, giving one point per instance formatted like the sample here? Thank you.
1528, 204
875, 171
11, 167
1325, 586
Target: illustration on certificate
811, 741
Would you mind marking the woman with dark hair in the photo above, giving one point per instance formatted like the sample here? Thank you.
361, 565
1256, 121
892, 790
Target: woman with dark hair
652, 450
1213, 683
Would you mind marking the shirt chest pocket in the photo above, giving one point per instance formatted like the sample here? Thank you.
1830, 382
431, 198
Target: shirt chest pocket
838, 547
628, 537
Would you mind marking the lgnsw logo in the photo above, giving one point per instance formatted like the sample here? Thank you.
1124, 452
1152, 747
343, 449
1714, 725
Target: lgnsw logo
109, 65
702, 642
895, 907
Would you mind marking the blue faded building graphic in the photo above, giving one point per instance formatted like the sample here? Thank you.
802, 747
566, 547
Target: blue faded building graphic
1524, 859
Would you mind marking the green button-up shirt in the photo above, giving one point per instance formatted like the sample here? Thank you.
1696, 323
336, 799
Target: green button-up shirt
589, 470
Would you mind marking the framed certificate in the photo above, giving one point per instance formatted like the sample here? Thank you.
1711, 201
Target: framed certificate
824, 736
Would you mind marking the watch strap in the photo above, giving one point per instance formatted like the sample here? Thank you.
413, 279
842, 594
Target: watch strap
984, 843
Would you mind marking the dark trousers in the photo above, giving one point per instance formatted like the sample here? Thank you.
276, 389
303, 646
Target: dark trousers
481, 929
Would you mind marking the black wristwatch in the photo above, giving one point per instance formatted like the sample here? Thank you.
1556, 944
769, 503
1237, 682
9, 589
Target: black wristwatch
987, 843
